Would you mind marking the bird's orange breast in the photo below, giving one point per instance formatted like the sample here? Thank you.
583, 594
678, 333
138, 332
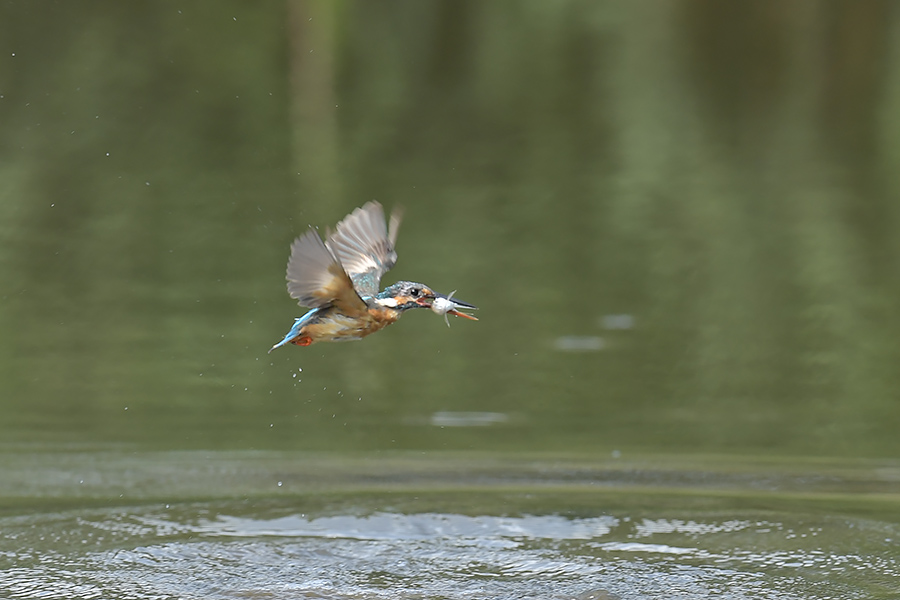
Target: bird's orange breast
337, 327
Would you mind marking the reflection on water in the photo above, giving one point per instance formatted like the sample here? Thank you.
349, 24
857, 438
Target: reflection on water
575, 343
615, 165
467, 419
406, 527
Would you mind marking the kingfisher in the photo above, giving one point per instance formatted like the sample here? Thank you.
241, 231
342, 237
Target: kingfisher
338, 279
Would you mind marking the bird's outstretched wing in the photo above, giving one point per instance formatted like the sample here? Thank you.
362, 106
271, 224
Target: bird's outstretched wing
315, 277
364, 246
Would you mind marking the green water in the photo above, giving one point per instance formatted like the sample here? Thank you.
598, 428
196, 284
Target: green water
677, 219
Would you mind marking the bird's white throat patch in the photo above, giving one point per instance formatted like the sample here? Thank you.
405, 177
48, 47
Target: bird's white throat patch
388, 302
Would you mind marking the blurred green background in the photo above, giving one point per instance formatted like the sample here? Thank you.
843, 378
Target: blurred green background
679, 220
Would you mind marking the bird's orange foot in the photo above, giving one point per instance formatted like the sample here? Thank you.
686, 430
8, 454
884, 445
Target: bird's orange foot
303, 340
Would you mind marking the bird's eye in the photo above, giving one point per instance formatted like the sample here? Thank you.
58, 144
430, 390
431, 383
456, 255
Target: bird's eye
415, 292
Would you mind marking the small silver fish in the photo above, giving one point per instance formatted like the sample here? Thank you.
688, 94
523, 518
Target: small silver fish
446, 305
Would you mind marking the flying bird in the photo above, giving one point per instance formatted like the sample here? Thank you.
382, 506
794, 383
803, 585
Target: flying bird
338, 279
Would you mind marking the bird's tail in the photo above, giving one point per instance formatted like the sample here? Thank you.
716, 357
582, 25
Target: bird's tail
293, 333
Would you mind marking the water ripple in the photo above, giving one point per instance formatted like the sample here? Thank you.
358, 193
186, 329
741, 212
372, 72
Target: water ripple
196, 553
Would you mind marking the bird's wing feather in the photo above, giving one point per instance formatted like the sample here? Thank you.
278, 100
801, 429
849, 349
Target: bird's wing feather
315, 277
365, 247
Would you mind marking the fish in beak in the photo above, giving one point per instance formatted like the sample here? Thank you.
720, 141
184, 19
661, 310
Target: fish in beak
447, 305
